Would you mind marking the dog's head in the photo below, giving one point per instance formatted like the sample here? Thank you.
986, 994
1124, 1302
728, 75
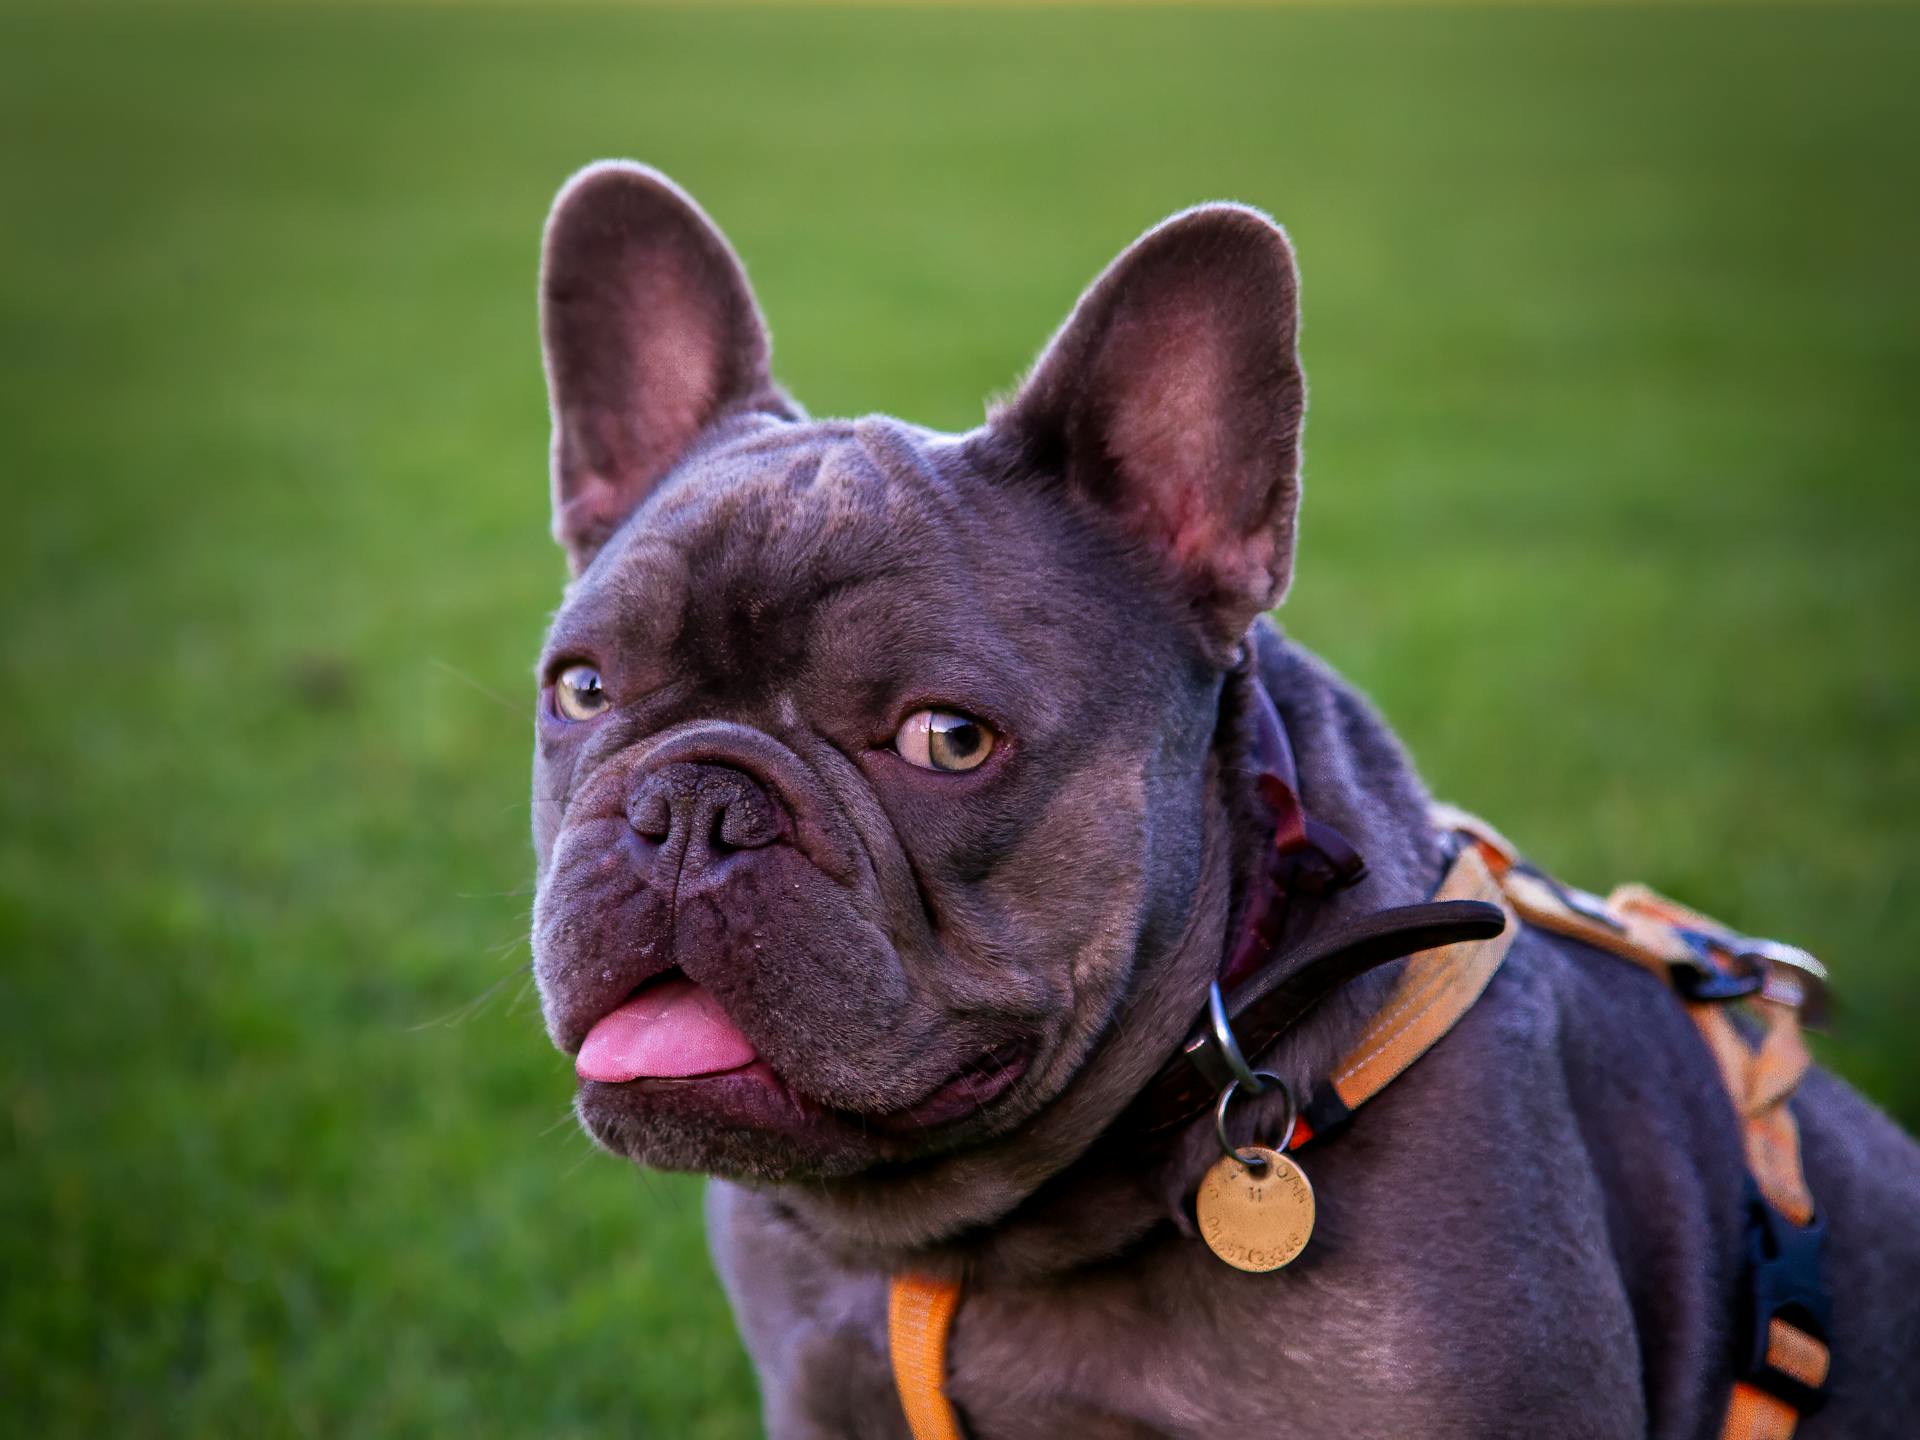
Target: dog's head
874, 778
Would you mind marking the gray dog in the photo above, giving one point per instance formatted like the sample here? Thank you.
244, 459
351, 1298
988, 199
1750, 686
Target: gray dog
895, 810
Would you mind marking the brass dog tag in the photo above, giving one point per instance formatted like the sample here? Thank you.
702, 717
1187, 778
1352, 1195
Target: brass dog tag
1256, 1219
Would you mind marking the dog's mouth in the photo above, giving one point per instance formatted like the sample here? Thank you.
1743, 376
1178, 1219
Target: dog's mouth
672, 1038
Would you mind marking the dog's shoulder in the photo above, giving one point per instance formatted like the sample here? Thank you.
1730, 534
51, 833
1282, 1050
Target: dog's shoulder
1563, 1163
1610, 1048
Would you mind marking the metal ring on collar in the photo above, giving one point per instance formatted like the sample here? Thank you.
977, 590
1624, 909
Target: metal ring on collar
1228, 1044
1286, 1133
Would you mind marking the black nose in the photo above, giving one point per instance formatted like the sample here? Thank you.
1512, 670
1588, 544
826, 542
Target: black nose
698, 814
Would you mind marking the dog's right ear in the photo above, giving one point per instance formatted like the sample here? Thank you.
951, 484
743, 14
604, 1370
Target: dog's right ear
651, 334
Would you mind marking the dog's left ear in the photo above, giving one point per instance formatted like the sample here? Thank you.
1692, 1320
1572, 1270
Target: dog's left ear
1172, 399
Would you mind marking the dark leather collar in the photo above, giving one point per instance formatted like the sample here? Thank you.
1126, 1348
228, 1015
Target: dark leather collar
1284, 990
1270, 990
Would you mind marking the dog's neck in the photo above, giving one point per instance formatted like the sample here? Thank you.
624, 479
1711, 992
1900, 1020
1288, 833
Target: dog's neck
1035, 1203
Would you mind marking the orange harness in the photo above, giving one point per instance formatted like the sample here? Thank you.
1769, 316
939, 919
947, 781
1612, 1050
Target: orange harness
1706, 964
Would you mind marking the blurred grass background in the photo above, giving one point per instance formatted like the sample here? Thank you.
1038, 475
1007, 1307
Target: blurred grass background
1612, 325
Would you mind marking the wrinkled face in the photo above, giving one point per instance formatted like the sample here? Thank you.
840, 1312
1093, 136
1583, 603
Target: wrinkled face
871, 764
900, 935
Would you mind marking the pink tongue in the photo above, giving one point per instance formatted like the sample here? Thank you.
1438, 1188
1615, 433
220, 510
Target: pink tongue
672, 1027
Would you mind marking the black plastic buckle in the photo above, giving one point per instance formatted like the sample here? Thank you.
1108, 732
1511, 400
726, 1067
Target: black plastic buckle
1702, 981
1783, 1282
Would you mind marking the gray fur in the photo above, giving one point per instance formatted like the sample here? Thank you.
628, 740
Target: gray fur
1536, 1231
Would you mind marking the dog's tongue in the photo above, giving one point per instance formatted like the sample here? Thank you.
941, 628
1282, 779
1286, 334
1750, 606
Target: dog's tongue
672, 1027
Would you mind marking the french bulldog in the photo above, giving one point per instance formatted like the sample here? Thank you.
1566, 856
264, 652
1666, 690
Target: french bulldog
892, 813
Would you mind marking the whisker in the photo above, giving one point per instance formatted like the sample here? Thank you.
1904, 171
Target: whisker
525, 937
472, 683
526, 988
467, 1010
655, 1195
526, 889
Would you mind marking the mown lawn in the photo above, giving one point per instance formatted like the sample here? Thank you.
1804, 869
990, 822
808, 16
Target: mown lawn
1612, 325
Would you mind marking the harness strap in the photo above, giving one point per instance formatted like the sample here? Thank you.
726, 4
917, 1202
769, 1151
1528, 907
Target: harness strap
1786, 1360
919, 1316
1753, 1414
1435, 989
1759, 1080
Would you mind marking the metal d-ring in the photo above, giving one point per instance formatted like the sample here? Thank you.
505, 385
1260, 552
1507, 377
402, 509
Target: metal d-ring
1228, 1045
1254, 1162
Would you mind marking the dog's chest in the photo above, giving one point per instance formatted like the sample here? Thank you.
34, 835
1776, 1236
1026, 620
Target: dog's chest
1149, 1348
1129, 1351
1154, 1348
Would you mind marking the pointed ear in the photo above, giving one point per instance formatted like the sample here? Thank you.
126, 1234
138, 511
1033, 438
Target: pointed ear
651, 335
1172, 400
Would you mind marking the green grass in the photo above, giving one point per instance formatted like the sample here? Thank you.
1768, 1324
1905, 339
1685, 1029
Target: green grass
1613, 329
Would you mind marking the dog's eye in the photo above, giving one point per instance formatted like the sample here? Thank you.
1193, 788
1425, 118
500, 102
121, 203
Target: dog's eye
577, 694
943, 740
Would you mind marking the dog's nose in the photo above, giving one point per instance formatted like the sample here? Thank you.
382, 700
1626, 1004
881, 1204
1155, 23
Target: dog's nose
702, 813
